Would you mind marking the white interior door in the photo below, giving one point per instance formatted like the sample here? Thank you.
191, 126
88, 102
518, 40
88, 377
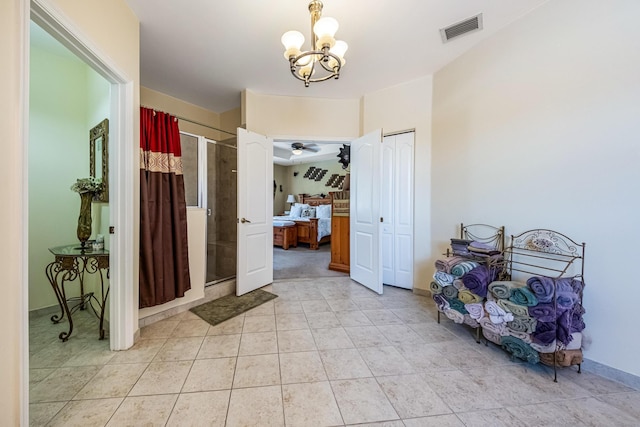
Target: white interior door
255, 212
403, 210
365, 211
387, 211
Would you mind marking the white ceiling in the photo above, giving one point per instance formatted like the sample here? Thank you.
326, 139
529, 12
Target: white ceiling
207, 51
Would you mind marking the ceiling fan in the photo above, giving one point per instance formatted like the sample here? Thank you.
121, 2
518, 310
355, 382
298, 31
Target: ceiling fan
298, 147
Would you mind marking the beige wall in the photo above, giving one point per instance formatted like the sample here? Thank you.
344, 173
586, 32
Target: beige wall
273, 115
403, 107
537, 127
281, 177
12, 214
162, 102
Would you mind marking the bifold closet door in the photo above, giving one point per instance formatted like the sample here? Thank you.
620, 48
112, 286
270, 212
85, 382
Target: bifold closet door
397, 210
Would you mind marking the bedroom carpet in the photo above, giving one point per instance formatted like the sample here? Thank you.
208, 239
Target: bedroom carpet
221, 309
302, 262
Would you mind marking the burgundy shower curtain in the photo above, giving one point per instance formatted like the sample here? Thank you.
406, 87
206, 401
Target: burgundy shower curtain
164, 257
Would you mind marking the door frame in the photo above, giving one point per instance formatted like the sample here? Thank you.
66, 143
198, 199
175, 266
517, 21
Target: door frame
123, 165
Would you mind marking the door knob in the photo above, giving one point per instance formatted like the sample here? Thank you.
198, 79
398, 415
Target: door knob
243, 220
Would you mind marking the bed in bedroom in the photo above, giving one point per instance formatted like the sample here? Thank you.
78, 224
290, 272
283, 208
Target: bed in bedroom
312, 219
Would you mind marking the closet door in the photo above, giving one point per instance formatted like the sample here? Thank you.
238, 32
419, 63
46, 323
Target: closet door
397, 210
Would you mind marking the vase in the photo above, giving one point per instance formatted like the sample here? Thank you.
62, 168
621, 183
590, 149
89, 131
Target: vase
84, 219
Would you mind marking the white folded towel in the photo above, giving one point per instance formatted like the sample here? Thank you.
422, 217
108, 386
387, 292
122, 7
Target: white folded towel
454, 315
476, 310
487, 324
496, 313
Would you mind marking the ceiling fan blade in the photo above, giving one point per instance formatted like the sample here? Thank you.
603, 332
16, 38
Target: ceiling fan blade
312, 147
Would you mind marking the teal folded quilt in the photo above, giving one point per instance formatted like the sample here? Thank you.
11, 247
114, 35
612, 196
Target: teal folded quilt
457, 305
520, 349
463, 268
523, 296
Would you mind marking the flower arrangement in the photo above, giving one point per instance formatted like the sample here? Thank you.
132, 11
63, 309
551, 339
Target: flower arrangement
87, 185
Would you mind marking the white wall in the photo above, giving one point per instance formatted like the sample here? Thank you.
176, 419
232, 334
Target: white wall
537, 127
273, 115
403, 107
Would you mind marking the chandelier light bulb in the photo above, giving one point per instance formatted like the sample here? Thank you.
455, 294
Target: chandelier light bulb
296, 151
326, 27
292, 39
307, 70
339, 48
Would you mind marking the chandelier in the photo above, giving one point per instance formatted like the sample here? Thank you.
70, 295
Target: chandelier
328, 57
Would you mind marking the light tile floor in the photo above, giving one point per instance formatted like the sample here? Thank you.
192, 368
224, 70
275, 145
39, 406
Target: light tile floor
327, 352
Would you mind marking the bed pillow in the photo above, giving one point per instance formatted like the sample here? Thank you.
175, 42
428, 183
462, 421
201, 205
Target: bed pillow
309, 213
302, 205
296, 211
323, 211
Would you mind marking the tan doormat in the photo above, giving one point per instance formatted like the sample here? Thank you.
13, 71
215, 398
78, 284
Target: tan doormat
221, 309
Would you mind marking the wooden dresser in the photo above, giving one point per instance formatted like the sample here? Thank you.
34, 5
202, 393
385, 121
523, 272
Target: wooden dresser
340, 232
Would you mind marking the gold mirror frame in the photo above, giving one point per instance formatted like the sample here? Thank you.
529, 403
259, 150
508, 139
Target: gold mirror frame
99, 157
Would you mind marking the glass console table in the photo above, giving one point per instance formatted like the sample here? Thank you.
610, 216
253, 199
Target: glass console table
71, 263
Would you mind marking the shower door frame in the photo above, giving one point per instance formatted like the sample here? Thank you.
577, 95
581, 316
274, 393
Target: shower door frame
203, 187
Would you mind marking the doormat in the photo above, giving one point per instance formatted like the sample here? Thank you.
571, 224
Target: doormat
221, 309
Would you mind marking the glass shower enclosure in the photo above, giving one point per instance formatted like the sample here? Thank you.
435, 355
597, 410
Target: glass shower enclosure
211, 183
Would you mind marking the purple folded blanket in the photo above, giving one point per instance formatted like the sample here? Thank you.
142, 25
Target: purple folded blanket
478, 279
545, 312
542, 288
545, 333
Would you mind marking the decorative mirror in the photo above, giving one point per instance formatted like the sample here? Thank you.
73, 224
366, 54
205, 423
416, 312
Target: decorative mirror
99, 157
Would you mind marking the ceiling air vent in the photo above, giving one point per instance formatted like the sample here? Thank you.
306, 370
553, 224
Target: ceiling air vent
461, 28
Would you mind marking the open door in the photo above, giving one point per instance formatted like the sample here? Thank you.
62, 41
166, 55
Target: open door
255, 212
366, 268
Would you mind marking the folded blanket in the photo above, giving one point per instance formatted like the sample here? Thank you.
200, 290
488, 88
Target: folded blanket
446, 263
562, 358
496, 314
492, 336
435, 287
565, 300
544, 312
468, 320
502, 288
577, 322
476, 310
477, 280
456, 304
445, 279
520, 335
458, 284
450, 292
523, 296
523, 324
441, 302
512, 307
462, 268
542, 287
520, 349
487, 324
545, 333
563, 332
454, 315
468, 297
